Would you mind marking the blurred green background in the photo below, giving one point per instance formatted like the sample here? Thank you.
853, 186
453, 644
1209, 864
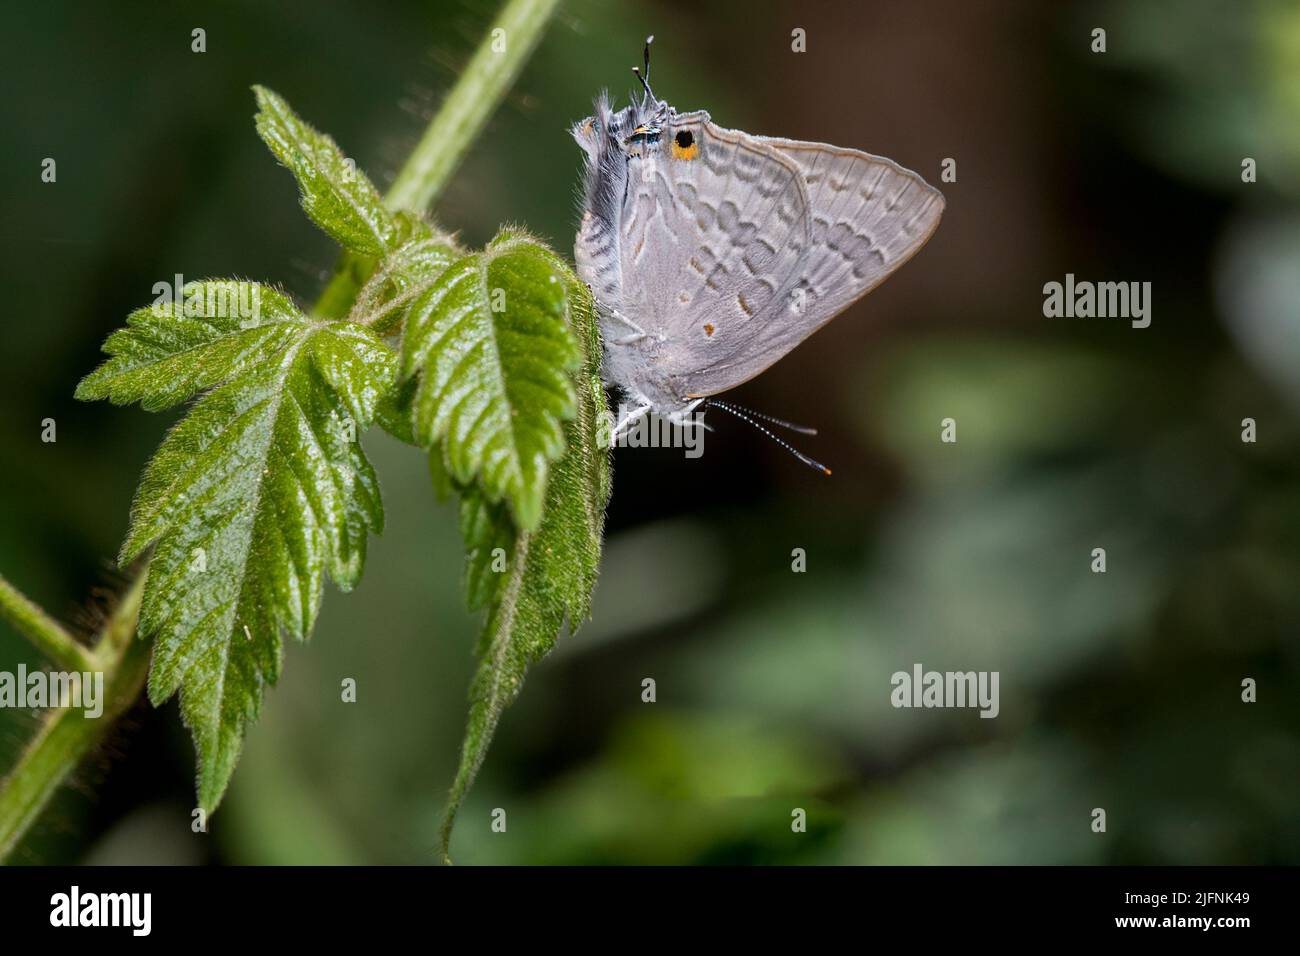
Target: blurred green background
1119, 691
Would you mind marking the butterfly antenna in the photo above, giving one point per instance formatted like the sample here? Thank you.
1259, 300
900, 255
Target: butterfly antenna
781, 422
745, 416
645, 77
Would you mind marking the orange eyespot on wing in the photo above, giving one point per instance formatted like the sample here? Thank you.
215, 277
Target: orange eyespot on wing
684, 145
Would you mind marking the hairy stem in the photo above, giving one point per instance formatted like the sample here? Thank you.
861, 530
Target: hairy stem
485, 80
453, 130
67, 733
47, 634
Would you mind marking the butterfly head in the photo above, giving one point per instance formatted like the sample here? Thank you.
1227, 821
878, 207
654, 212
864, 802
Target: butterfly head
629, 130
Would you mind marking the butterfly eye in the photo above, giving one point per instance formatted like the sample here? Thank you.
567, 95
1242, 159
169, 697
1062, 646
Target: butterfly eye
645, 133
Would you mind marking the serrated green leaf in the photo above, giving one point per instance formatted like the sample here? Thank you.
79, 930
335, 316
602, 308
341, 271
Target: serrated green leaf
489, 542
550, 572
406, 272
444, 486
385, 302
171, 350
257, 494
491, 342
335, 194
394, 412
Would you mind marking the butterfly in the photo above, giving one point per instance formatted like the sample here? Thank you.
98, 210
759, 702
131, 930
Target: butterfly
711, 253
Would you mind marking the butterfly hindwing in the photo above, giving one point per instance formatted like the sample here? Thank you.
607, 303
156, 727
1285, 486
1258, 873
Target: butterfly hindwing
868, 216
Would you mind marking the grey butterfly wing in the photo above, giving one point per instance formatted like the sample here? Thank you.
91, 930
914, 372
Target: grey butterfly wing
867, 216
713, 236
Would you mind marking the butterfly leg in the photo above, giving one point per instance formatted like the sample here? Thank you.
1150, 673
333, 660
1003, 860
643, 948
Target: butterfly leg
684, 420
693, 423
637, 335
626, 422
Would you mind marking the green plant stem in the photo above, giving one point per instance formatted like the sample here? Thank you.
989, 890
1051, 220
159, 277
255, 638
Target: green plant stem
453, 130
481, 86
67, 733
42, 630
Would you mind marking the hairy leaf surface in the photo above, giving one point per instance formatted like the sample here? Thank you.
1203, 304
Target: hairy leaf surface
407, 272
335, 194
256, 495
491, 342
550, 572
173, 350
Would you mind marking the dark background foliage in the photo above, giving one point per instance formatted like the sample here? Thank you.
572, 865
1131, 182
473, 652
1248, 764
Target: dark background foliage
1119, 691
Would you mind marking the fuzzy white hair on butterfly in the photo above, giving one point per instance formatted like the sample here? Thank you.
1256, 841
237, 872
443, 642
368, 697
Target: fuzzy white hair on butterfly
711, 253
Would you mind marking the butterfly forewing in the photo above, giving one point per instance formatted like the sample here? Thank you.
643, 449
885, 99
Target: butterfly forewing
714, 236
